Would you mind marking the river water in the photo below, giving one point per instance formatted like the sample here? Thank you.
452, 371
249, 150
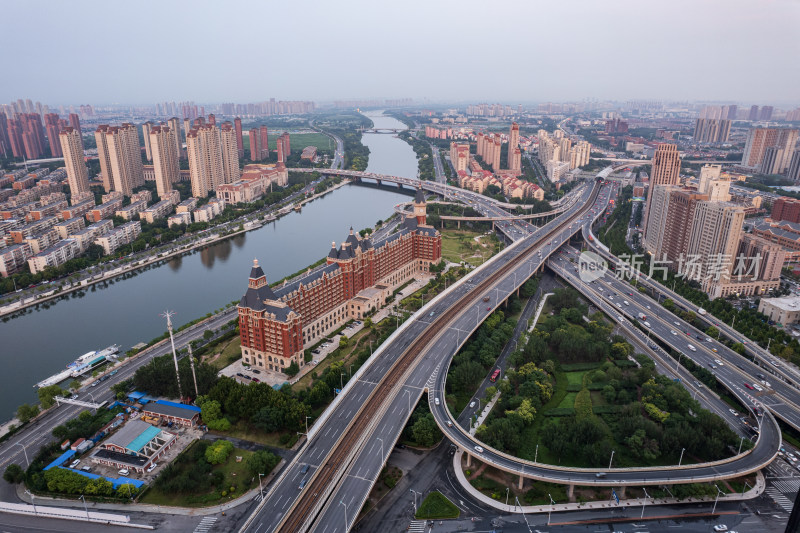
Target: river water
41, 343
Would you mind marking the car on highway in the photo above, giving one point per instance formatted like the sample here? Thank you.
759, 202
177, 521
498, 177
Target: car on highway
472, 405
673, 332
718, 362
479, 449
746, 384
720, 527
733, 412
692, 348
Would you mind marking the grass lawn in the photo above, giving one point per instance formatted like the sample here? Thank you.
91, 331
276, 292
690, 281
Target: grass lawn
347, 355
297, 141
236, 475
460, 243
229, 351
569, 400
241, 431
435, 507
575, 378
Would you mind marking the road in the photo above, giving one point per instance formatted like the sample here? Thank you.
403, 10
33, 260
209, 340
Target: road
437, 165
370, 457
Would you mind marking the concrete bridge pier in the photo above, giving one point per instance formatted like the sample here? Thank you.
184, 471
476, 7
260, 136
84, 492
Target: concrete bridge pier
622, 491
459, 224
469, 459
571, 492
399, 186
379, 183
521, 482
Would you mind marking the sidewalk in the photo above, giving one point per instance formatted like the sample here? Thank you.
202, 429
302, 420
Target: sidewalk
484, 413
606, 504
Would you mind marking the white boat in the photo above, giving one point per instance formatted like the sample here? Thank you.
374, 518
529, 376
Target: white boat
80, 365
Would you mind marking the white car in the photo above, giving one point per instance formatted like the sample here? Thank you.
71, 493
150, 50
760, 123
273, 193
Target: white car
718, 362
123, 472
151, 467
479, 449
673, 332
720, 527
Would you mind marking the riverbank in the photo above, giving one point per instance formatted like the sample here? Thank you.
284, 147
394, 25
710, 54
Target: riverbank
161, 257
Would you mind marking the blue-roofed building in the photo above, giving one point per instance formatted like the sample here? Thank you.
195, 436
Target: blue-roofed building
277, 323
135, 446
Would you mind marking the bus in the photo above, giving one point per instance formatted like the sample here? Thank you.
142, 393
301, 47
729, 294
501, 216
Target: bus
495, 375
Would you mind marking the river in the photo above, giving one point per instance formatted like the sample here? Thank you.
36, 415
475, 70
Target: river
41, 343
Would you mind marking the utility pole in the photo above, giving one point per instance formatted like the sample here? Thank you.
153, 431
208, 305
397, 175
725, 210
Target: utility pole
194, 376
168, 316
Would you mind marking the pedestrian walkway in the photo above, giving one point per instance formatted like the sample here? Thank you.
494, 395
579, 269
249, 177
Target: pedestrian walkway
205, 524
605, 504
785, 503
417, 526
786, 485
484, 413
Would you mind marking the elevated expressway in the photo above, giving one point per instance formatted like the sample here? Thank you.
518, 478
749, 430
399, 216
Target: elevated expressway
348, 446
325, 486
782, 397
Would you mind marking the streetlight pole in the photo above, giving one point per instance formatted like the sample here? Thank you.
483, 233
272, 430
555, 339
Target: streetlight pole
536, 455
24, 451
29, 493
341, 383
741, 441
612, 459
345, 514
645, 502
551, 509
382, 453
415, 500
681, 459
85, 508
260, 489
716, 499
307, 426
507, 496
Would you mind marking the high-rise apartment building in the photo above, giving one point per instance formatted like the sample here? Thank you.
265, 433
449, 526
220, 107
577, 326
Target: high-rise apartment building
264, 142
166, 164
753, 113
53, 128
785, 208
75, 122
77, 173
120, 157
794, 167
255, 145
146, 128
237, 123
659, 196
213, 158
713, 184
513, 144
459, 156
280, 150
714, 240
287, 147
101, 140
766, 113
760, 139
709, 130
665, 170
175, 129
495, 149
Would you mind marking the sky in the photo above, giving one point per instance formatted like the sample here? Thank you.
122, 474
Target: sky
143, 51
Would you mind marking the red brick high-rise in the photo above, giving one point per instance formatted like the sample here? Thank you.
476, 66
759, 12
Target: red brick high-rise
280, 150
276, 325
264, 142
287, 148
237, 123
786, 209
255, 145
53, 129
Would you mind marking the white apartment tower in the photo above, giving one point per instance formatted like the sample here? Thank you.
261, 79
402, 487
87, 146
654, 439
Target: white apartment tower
165, 159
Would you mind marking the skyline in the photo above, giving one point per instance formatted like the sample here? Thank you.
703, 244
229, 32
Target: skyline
713, 51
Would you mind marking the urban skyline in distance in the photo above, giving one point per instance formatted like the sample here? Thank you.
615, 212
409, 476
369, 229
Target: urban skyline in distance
714, 50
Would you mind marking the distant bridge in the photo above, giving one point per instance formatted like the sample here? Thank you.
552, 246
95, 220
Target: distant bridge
443, 190
383, 130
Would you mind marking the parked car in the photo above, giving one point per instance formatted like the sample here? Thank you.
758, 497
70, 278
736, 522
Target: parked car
75, 463
123, 472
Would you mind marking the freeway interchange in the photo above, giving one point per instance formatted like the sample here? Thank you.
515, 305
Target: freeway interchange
336, 506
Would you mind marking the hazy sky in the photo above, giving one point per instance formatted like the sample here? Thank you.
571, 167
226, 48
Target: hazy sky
75, 51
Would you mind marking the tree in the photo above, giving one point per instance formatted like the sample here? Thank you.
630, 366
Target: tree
47, 395
14, 473
262, 462
425, 431
207, 334
210, 410
292, 369
218, 452
26, 412
712, 331
74, 384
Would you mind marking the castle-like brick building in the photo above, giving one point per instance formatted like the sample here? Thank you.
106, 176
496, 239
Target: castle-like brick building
358, 277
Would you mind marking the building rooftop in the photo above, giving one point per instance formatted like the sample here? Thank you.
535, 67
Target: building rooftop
787, 303
171, 409
131, 435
